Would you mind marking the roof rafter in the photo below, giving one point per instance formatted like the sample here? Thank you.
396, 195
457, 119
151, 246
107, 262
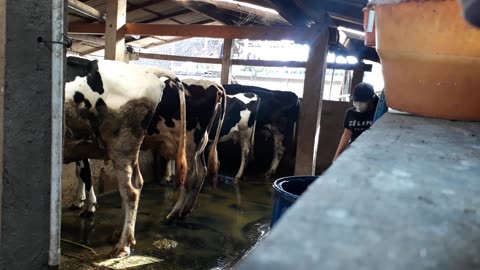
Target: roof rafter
191, 5
131, 39
134, 7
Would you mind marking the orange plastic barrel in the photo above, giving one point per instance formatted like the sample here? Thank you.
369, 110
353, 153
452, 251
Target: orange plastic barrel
430, 58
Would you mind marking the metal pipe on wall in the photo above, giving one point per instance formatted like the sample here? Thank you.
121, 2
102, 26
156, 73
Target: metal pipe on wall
58, 52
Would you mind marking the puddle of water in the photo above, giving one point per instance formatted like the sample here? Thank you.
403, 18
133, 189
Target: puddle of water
225, 225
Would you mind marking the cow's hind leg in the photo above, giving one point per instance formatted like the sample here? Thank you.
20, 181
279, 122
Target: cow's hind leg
245, 140
188, 192
169, 170
80, 194
194, 186
123, 135
130, 184
177, 208
278, 150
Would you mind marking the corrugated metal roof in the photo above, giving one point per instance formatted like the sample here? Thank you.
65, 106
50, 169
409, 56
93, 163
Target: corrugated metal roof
347, 13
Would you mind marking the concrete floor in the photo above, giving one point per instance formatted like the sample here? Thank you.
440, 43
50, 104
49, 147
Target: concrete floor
224, 226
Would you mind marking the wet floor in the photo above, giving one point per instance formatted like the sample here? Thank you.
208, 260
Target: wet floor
223, 227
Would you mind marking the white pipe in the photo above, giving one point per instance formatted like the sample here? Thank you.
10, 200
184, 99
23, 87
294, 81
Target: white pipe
58, 59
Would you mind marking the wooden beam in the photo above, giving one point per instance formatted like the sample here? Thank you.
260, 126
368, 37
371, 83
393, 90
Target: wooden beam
223, 31
311, 107
92, 50
88, 38
269, 63
242, 62
294, 64
86, 10
226, 61
301, 34
149, 46
167, 57
115, 30
86, 28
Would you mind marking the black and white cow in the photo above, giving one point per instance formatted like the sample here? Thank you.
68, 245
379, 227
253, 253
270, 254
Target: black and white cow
202, 105
205, 102
239, 126
276, 118
109, 106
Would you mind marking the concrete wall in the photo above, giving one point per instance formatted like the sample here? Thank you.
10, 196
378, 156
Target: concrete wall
103, 177
331, 129
2, 84
27, 136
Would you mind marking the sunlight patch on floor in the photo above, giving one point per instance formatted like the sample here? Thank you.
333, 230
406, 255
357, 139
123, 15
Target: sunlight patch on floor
127, 262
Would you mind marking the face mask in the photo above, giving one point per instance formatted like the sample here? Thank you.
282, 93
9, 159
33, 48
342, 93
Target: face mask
360, 106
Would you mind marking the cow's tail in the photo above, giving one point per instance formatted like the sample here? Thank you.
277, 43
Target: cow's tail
252, 139
181, 162
181, 159
294, 134
161, 72
213, 163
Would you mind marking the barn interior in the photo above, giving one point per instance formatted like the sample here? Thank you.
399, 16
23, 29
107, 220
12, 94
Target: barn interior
402, 196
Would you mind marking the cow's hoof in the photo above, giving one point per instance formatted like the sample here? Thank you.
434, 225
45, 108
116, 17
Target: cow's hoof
120, 252
86, 214
73, 207
168, 220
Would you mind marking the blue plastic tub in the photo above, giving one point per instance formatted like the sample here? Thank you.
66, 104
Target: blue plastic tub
287, 191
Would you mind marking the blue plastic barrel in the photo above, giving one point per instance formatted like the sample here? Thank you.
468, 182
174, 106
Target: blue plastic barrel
287, 191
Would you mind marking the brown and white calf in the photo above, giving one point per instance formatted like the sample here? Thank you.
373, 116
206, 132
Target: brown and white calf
109, 106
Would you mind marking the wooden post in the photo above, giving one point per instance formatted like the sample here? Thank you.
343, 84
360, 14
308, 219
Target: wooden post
357, 77
226, 61
311, 107
115, 30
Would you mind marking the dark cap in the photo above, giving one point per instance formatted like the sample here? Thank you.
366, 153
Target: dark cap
363, 92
